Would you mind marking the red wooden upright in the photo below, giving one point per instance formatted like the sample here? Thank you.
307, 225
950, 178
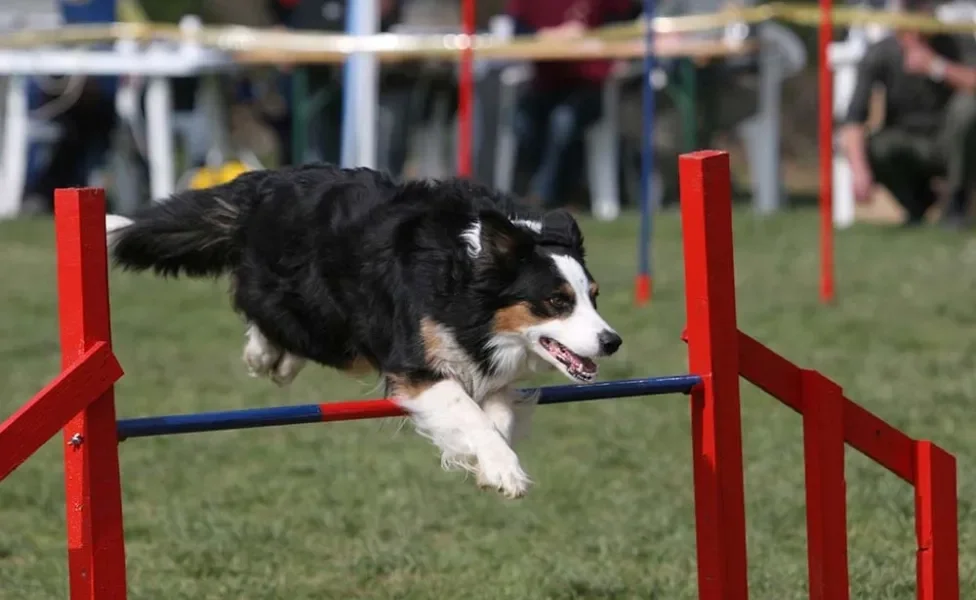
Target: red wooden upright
823, 459
936, 523
96, 552
706, 216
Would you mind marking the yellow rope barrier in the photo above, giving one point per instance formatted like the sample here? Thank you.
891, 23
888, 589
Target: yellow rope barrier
244, 39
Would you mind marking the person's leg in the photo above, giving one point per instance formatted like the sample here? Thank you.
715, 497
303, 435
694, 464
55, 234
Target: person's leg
329, 124
394, 141
579, 109
957, 146
282, 123
97, 125
901, 162
531, 124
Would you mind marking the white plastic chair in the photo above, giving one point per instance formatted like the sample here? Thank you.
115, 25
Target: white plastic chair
782, 55
843, 58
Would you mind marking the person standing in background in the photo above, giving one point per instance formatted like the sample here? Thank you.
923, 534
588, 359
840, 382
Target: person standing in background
330, 16
564, 97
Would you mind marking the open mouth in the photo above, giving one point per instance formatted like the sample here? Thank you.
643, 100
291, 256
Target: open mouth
578, 367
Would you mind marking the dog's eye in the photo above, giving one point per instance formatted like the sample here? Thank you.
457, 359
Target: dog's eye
559, 301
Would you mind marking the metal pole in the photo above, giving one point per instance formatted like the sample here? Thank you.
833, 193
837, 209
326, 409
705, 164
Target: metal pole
360, 90
642, 286
466, 91
826, 121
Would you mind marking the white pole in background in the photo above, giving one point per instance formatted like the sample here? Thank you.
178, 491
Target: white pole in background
13, 168
360, 90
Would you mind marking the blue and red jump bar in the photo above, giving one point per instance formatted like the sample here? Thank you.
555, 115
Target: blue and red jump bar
376, 409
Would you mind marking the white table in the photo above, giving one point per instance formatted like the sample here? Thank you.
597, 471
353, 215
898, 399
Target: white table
157, 62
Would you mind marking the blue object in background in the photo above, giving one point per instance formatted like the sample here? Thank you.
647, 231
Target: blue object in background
87, 11
83, 12
645, 241
72, 12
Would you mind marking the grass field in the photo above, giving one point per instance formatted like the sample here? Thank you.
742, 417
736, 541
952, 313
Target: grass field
361, 510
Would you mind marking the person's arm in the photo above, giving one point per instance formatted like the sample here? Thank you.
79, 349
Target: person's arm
852, 135
921, 59
956, 75
961, 74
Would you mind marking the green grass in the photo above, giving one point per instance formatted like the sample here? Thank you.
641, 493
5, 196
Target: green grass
362, 510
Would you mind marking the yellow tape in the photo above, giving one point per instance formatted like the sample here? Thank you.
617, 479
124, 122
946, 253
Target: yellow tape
243, 39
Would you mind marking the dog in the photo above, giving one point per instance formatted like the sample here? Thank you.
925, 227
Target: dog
446, 288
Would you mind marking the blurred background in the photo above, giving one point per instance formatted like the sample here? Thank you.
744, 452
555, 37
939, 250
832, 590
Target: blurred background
100, 129
564, 132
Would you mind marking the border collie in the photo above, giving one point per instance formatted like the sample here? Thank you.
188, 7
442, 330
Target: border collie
446, 288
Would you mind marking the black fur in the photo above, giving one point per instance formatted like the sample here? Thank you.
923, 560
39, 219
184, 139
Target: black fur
337, 264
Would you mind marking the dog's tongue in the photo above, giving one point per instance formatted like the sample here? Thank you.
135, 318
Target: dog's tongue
585, 364
572, 360
578, 362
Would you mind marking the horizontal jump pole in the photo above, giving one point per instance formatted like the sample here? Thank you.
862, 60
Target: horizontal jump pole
376, 409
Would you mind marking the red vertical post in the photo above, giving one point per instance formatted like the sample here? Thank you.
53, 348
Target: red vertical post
466, 90
93, 495
826, 126
706, 217
936, 522
823, 458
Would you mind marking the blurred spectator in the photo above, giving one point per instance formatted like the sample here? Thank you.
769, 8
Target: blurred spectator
83, 109
565, 97
736, 75
84, 136
330, 15
930, 121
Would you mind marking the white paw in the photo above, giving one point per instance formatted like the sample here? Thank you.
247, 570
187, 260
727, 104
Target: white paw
502, 472
287, 368
260, 357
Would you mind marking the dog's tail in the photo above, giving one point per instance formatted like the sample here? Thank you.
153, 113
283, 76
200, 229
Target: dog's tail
194, 233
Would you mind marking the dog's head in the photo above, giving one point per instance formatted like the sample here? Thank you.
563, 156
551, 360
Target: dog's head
545, 298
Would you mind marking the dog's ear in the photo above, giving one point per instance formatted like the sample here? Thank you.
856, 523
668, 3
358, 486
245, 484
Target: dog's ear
559, 228
502, 242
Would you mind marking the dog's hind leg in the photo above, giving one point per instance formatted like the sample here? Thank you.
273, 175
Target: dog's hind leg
264, 359
260, 355
449, 417
288, 367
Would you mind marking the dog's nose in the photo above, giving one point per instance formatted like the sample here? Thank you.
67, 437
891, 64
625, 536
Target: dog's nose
609, 342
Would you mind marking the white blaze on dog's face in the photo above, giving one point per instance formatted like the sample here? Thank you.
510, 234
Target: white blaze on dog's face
556, 315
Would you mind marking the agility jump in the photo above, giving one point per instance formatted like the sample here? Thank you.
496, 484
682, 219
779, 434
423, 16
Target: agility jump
80, 402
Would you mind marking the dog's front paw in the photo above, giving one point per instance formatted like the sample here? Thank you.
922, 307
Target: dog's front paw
503, 473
